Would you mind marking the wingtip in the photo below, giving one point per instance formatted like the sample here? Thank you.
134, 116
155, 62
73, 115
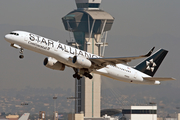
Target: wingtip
150, 52
153, 48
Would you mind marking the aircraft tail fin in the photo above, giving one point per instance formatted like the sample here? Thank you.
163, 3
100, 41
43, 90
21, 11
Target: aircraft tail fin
150, 65
25, 116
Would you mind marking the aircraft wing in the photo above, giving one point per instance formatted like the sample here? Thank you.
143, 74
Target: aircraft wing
158, 78
25, 116
117, 60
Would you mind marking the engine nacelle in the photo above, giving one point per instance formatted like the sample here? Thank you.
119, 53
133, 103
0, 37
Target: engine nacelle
52, 63
81, 62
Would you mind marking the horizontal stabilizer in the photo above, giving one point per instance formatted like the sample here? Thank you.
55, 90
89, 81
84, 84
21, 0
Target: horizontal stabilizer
158, 78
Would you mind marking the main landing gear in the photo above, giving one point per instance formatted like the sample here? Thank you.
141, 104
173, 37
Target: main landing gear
21, 52
76, 75
86, 74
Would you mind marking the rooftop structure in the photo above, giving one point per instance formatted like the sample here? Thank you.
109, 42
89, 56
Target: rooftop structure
88, 4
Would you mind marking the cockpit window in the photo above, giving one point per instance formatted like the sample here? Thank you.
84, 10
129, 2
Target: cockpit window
14, 33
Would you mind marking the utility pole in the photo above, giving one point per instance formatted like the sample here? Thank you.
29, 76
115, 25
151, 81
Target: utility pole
55, 112
72, 98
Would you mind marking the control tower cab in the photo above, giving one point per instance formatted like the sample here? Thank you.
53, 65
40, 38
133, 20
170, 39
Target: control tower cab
88, 4
88, 22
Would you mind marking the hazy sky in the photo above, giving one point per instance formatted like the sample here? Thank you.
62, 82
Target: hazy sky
139, 25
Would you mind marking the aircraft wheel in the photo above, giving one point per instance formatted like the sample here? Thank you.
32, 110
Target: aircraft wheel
21, 56
79, 77
90, 76
86, 74
74, 75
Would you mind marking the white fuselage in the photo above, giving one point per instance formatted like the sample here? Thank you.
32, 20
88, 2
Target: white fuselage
63, 53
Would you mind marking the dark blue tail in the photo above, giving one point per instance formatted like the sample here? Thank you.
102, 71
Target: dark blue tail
151, 64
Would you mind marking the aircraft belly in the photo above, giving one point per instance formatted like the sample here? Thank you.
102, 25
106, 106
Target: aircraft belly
118, 75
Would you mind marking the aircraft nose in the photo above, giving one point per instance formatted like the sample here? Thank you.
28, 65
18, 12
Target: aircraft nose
7, 37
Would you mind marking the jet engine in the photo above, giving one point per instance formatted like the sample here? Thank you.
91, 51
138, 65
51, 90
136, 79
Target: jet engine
81, 62
52, 63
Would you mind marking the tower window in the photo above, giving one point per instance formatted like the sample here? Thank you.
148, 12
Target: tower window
88, 5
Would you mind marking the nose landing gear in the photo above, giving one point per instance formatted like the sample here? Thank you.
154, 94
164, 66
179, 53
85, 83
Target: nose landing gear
21, 52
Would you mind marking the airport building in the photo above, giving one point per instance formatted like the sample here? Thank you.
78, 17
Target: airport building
140, 112
12, 117
89, 26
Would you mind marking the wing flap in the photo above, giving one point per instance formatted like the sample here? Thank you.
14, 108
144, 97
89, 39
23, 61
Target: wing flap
158, 78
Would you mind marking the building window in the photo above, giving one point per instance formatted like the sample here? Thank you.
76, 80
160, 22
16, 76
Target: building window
79, 95
139, 111
79, 102
88, 5
79, 88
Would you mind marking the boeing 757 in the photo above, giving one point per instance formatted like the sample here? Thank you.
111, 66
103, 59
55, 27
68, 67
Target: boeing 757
84, 63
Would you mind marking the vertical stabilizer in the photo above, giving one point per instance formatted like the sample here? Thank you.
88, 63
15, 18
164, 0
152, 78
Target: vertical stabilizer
151, 64
25, 116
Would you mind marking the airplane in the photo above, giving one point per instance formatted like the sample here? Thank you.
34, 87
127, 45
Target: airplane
84, 63
25, 116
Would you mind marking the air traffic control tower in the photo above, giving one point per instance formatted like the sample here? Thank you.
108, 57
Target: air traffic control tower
89, 26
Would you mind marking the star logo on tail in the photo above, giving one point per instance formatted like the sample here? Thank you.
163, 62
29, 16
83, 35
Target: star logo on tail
150, 65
